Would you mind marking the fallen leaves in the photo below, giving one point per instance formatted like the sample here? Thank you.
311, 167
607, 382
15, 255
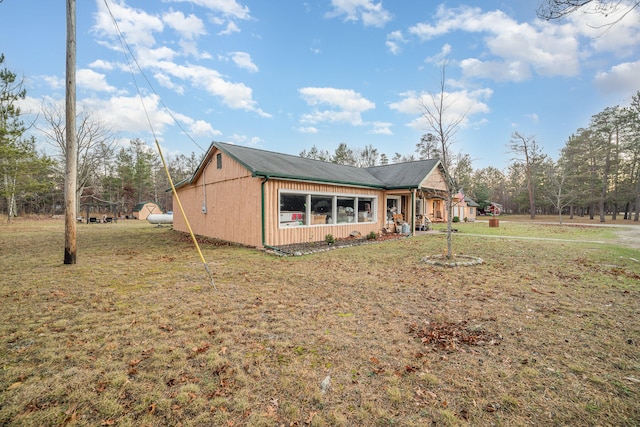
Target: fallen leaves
202, 348
450, 336
166, 328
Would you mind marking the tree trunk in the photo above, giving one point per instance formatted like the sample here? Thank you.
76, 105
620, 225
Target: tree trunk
637, 191
449, 207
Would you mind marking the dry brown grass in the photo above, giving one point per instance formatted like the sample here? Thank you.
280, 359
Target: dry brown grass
134, 334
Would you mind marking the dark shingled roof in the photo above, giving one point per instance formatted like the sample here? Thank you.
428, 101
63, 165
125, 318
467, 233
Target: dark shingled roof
139, 206
471, 202
286, 166
403, 175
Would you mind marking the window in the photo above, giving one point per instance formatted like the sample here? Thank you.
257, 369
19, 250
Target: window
315, 209
292, 210
321, 210
365, 212
219, 160
393, 207
346, 210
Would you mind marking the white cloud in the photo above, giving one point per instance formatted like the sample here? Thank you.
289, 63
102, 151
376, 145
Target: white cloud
371, 14
394, 42
515, 71
102, 65
53, 82
458, 104
515, 50
244, 139
189, 27
346, 99
89, 79
229, 8
381, 128
233, 95
441, 56
125, 113
244, 61
147, 56
623, 77
165, 81
615, 31
345, 105
137, 26
307, 129
30, 105
202, 128
231, 28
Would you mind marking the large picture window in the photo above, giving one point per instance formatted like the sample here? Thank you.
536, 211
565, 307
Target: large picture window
292, 210
299, 209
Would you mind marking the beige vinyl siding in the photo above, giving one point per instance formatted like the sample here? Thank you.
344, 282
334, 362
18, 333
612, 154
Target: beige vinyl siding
434, 180
232, 202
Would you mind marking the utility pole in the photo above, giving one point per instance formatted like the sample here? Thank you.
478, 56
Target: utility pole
71, 168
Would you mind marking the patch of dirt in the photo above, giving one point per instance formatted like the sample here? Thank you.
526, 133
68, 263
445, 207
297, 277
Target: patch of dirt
629, 236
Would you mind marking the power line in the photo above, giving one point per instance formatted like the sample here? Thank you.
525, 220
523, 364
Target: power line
127, 48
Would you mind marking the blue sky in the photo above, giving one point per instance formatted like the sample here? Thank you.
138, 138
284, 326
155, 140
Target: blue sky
287, 75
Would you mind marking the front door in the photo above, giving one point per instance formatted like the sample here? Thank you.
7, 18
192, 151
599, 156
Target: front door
393, 207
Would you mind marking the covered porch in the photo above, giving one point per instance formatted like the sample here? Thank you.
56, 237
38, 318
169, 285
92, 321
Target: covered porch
417, 207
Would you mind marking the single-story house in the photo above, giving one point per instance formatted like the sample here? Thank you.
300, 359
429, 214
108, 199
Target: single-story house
261, 198
464, 208
143, 210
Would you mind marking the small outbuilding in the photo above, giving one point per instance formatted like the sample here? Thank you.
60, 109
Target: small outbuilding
261, 198
465, 208
143, 210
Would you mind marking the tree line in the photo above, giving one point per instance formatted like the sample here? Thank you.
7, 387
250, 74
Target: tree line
111, 178
597, 172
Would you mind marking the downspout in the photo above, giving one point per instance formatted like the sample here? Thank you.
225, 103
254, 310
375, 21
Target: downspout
413, 211
262, 219
204, 188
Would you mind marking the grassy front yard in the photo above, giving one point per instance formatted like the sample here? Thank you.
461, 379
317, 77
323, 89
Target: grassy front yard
543, 333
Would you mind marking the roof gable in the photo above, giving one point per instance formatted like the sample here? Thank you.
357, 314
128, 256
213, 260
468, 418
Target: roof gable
139, 206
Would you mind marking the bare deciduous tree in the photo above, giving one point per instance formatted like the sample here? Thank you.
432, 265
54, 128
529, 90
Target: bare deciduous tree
367, 156
556, 9
528, 153
556, 191
95, 141
443, 124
